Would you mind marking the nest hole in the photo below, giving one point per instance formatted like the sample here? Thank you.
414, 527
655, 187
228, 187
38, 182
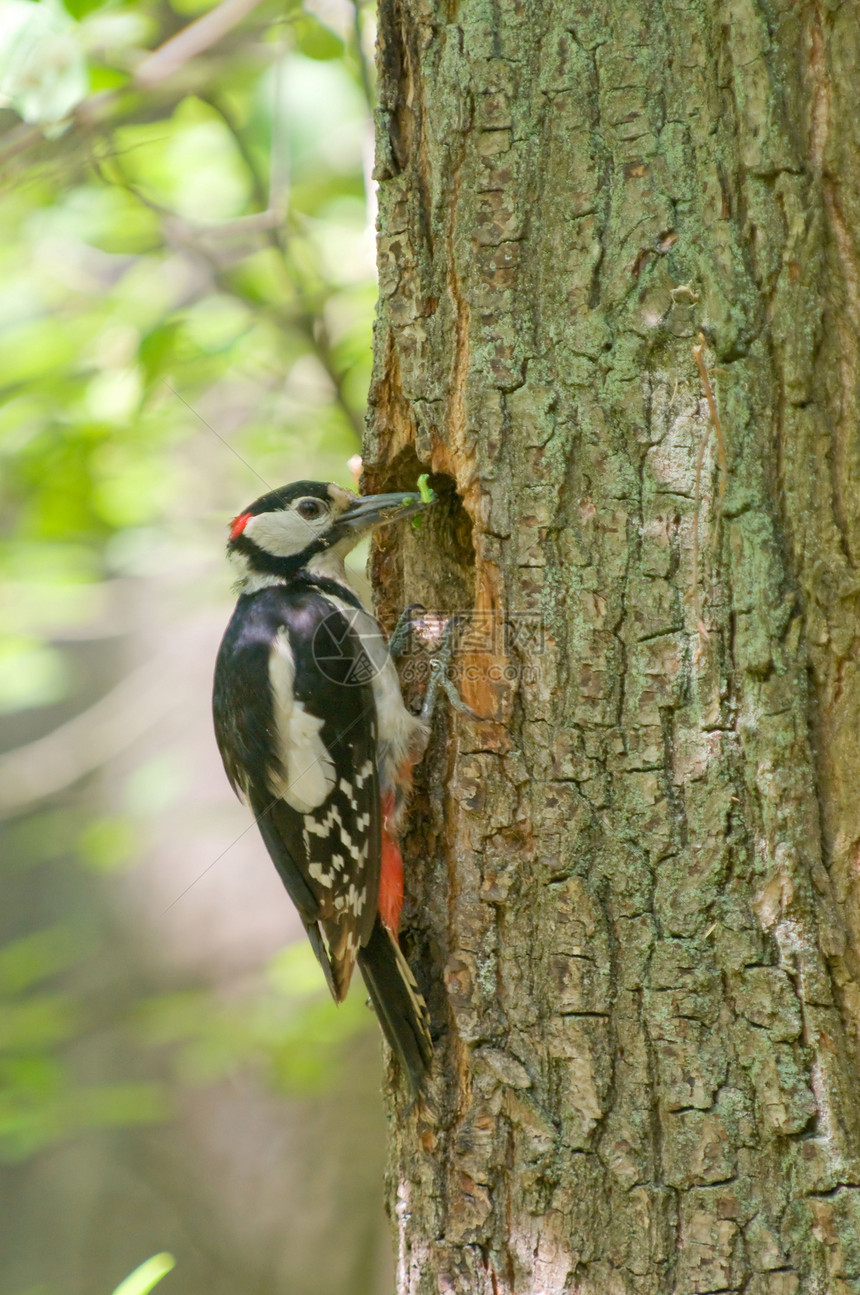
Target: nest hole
432, 563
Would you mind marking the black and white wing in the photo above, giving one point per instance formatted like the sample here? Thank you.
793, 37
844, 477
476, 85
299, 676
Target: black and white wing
295, 721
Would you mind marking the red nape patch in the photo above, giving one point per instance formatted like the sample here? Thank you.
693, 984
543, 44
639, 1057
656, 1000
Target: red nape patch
390, 883
238, 524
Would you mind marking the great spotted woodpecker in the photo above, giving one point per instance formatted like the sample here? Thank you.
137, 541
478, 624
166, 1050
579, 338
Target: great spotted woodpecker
314, 735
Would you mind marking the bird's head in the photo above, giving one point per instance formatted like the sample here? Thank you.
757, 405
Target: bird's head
309, 524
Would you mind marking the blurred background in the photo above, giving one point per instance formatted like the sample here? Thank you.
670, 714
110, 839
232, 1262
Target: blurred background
186, 297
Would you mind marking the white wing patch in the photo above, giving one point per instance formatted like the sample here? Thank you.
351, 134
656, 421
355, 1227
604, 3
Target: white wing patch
307, 774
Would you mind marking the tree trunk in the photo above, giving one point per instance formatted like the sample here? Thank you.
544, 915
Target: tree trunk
633, 889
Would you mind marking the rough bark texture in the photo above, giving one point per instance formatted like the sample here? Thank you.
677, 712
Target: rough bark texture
633, 891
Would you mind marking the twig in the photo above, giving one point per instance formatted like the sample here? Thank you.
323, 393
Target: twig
194, 39
280, 159
364, 70
260, 196
306, 320
159, 66
154, 69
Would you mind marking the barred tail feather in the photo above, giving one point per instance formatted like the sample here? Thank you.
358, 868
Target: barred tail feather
398, 1003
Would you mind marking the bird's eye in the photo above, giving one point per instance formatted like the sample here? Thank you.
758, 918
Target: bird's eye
309, 508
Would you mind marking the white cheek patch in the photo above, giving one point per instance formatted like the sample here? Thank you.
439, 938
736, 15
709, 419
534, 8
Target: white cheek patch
307, 774
329, 563
249, 581
283, 533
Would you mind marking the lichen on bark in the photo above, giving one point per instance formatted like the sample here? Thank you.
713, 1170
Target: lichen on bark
632, 890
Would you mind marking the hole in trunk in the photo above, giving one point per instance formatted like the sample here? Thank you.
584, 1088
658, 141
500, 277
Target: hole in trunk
433, 563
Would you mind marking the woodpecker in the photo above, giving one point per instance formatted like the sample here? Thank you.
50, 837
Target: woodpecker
315, 737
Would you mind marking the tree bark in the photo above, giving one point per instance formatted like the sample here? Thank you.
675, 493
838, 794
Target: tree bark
633, 888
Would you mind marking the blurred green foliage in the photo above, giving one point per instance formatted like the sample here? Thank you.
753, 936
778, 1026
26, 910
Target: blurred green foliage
186, 280
40, 1101
205, 233
147, 1276
290, 1030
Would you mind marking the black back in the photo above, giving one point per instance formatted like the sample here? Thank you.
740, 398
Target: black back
332, 681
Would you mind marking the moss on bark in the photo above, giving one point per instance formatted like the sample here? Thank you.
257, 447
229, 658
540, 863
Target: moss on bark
632, 890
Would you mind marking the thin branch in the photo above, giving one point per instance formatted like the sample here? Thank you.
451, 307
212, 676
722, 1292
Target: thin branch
95, 112
307, 320
193, 40
363, 66
279, 146
258, 186
88, 114
155, 68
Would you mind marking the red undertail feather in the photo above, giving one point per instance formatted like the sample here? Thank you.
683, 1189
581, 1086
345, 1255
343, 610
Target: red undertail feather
391, 872
396, 997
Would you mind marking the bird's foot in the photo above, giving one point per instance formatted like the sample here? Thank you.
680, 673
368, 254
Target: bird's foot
440, 674
406, 622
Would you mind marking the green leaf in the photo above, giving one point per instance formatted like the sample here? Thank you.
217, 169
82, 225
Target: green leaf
43, 72
315, 41
107, 843
294, 971
157, 352
32, 958
149, 1274
31, 674
36, 1022
80, 8
35, 350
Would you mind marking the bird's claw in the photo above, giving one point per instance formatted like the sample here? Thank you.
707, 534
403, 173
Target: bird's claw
402, 632
439, 677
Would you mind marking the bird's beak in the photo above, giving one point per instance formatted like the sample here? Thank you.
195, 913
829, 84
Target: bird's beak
378, 510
